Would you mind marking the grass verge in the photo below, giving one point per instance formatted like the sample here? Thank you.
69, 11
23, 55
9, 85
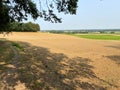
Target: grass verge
6, 54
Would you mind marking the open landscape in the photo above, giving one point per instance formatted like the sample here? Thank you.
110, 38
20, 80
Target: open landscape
59, 45
45, 61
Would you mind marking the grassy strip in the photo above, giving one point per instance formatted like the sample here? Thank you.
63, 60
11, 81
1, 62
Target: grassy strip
2, 46
17, 46
5, 47
98, 36
6, 54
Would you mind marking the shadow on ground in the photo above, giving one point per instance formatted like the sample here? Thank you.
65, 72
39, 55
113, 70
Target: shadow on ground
115, 58
115, 46
36, 68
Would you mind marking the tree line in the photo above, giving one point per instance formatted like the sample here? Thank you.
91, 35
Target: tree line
23, 27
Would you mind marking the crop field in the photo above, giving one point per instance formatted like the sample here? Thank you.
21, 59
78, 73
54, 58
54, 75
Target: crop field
45, 61
99, 36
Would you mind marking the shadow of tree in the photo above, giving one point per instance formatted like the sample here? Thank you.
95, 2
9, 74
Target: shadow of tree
115, 58
115, 46
36, 68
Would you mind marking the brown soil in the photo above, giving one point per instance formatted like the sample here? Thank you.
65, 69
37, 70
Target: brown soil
63, 62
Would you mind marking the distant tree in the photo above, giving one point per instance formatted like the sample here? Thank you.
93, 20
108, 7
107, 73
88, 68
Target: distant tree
30, 27
18, 10
102, 31
24, 27
53, 31
112, 32
14, 26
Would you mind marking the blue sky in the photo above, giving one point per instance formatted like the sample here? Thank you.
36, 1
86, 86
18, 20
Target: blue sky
91, 14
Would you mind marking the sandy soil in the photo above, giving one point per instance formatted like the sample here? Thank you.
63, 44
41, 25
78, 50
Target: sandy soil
103, 57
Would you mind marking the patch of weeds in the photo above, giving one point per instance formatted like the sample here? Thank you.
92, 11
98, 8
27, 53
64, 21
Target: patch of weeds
1, 49
6, 53
17, 46
22, 70
2, 67
26, 76
2, 46
39, 85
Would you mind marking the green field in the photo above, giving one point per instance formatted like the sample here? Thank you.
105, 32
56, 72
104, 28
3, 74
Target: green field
99, 36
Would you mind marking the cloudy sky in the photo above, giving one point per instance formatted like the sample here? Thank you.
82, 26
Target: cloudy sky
91, 14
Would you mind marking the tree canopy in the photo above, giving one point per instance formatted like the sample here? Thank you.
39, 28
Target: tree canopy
24, 27
19, 10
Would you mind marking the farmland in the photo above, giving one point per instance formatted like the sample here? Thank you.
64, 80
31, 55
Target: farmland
45, 61
99, 36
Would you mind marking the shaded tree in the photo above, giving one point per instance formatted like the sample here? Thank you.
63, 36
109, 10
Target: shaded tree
18, 10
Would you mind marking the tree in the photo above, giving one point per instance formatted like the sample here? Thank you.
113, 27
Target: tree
24, 27
18, 10
30, 27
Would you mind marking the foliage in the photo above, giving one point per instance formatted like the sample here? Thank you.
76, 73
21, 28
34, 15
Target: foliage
24, 27
68, 32
112, 32
18, 10
102, 31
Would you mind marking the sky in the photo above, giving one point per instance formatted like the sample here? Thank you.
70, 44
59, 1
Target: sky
91, 14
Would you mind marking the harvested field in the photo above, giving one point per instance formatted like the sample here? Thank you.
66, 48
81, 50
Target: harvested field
44, 61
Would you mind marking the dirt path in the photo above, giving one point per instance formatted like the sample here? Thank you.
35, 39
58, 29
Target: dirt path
99, 58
